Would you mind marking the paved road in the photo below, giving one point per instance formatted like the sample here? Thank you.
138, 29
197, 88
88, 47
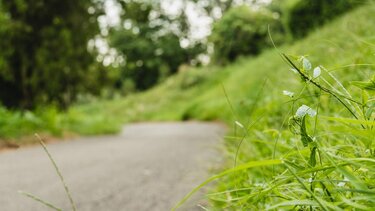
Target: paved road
149, 166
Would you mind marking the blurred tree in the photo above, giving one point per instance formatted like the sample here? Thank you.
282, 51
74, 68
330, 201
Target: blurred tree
44, 56
242, 31
302, 16
215, 8
149, 41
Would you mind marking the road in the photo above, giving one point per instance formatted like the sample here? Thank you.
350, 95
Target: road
149, 166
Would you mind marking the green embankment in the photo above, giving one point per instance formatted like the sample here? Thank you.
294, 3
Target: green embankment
326, 164
199, 93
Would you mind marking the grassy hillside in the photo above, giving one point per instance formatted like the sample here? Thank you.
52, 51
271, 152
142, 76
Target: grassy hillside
323, 162
332, 170
198, 93
341, 47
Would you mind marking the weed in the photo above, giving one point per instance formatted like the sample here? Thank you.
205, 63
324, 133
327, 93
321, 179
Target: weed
68, 194
329, 167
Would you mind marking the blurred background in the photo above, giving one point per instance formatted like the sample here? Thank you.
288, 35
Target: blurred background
59, 55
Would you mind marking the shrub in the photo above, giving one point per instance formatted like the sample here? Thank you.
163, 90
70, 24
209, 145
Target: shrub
242, 31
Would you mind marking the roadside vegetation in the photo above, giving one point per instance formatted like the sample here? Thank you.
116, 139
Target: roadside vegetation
317, 156
252, 84
302, 116
192, 93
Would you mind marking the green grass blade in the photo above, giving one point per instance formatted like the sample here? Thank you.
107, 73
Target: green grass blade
245, 166
69, 195
351, 121
35, 198
294, 203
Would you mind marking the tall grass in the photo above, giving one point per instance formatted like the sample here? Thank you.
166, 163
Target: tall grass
322, 155
316, 117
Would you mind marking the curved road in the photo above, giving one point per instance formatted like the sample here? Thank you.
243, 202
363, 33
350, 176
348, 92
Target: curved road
149, 166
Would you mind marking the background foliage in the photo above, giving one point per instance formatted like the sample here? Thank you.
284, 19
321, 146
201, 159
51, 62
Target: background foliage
150, 44
243, 31
303, 16
44, 56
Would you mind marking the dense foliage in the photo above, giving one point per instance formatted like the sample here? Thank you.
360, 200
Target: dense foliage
304, 15
243, 31
44, 56
149, 43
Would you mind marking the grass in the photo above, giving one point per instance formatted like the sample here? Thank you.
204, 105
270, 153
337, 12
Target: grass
327, 160
16, 127
57, 170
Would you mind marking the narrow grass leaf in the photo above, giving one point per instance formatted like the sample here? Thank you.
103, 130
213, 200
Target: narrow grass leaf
35, 198
348, 120
294, 203
245, 166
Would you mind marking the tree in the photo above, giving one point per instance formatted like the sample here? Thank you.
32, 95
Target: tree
149, 42
303, 16
44, 57
242, 31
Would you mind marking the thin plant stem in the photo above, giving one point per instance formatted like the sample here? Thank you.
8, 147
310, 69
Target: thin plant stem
58, 173
35, 198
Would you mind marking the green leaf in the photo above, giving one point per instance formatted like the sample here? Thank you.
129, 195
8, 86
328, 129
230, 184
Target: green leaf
305, 138
312, 160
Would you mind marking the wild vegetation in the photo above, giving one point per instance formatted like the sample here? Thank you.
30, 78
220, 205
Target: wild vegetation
148, 62
323, 161
300, 14
242, 31
302, 116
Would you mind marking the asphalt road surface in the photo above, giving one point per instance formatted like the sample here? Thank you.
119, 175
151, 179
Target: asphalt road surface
149, 166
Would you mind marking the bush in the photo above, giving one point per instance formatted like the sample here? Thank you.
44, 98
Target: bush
242, 31
305, 15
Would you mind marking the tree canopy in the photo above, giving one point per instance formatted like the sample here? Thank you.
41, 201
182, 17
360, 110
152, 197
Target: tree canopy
44, 56
243, 31
149, 40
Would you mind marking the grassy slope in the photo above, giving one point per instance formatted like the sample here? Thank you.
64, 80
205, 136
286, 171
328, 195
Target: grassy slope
345, 41
254, 88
